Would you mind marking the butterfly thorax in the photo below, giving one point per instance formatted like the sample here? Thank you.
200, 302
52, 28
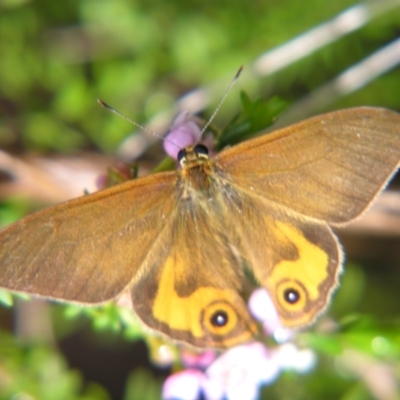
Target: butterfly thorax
197, 171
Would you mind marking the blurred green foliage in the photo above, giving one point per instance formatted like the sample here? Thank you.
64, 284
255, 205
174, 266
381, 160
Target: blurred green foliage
57, 58
39, 372
254, 116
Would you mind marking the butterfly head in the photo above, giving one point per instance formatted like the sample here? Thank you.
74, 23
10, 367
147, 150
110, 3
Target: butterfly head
193, 156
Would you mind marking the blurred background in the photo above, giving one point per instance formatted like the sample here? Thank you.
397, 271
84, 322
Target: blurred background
151, 59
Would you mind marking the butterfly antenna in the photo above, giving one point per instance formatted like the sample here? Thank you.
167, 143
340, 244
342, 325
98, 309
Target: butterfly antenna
222, 100
113, 110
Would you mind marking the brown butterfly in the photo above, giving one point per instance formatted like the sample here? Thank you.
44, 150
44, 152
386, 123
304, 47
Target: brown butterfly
183, 242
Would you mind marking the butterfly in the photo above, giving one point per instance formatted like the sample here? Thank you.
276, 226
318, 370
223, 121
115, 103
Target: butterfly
186, 243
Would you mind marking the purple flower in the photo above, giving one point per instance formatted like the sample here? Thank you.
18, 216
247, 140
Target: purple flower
236, 374
240, 372
289, 357
184, 132
198, 360
263, 309
184, 385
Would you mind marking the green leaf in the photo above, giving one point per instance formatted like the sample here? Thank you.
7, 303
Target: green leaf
255, 116
142, 385
6, 298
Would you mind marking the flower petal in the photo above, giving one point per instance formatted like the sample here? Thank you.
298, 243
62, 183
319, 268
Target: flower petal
290, 357
198, 360
263, 309
184, 132
240, 371
184, 385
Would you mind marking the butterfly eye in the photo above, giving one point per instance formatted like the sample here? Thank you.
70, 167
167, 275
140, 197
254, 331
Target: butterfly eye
181, 155
200, 149
292, 296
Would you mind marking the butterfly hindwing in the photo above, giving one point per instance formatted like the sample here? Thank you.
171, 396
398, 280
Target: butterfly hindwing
295, 258
193, 288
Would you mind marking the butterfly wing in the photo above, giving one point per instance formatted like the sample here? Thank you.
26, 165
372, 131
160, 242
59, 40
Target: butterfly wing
285, 187
193, 289
88, 249
329, 167
298, 260
184, 277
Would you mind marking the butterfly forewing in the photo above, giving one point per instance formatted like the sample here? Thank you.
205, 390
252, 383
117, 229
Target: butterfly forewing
329, 167
88, 249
